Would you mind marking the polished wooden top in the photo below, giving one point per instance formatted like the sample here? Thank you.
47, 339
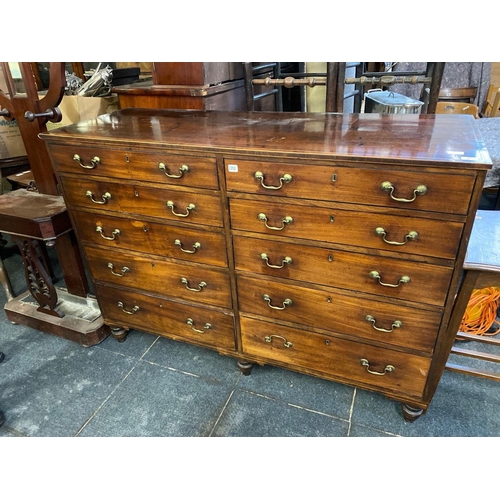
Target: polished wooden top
483, 252
413, 138
33, 215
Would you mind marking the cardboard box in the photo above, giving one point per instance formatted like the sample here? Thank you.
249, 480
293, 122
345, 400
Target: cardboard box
76, 108
11, 142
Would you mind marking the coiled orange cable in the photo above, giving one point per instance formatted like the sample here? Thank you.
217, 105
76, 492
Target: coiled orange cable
481, 312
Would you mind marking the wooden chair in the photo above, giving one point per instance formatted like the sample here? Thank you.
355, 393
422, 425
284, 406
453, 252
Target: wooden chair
459, 94
492, 104
461, 108
481, 269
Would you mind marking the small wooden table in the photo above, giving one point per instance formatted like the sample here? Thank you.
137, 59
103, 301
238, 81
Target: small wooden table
481, 269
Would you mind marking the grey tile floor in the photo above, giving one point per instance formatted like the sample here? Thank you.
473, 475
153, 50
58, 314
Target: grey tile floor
153, 386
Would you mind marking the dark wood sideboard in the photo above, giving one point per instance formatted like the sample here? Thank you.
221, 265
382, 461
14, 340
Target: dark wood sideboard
329, 244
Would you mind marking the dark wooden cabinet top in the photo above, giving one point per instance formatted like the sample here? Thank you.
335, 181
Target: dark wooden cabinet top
441, 140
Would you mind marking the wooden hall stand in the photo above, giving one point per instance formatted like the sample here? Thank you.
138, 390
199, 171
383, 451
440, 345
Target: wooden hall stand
37, 218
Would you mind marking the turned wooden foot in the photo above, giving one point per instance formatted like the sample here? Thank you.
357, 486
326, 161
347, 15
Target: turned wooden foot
245, 368
411, 414
119, 333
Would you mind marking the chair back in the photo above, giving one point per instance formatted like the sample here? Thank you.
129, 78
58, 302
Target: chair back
492, 104
461, 108
458, 94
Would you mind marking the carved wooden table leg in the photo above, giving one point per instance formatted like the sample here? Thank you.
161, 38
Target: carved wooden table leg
245, 367
37, 276
411, 414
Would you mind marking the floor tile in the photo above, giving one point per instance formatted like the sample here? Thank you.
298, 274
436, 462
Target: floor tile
156, 401
462, 406
363, 431
193, 359
299, 389
251, 415
52, 392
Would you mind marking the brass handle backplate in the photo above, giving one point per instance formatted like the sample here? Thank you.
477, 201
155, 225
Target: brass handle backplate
201, 285
196, 245
396, 324
115, 233
286, 220
389, 188
124, 270
133, 311
376, 276
94, 161
286, 260
286, 302
366, 364
412, 235
286, 178
171, 205
207, 326
105, 197
269, 339
183, 169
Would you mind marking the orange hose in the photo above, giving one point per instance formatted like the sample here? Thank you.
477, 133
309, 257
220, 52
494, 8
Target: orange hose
481, 312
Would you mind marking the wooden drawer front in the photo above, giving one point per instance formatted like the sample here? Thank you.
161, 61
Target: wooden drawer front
435, 238
403, 326
134, 165
348, 270
443, 192
336, 357
152, 202
119, 233
192, 282
166, 317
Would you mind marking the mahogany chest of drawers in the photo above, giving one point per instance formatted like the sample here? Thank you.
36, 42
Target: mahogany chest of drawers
329, 244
